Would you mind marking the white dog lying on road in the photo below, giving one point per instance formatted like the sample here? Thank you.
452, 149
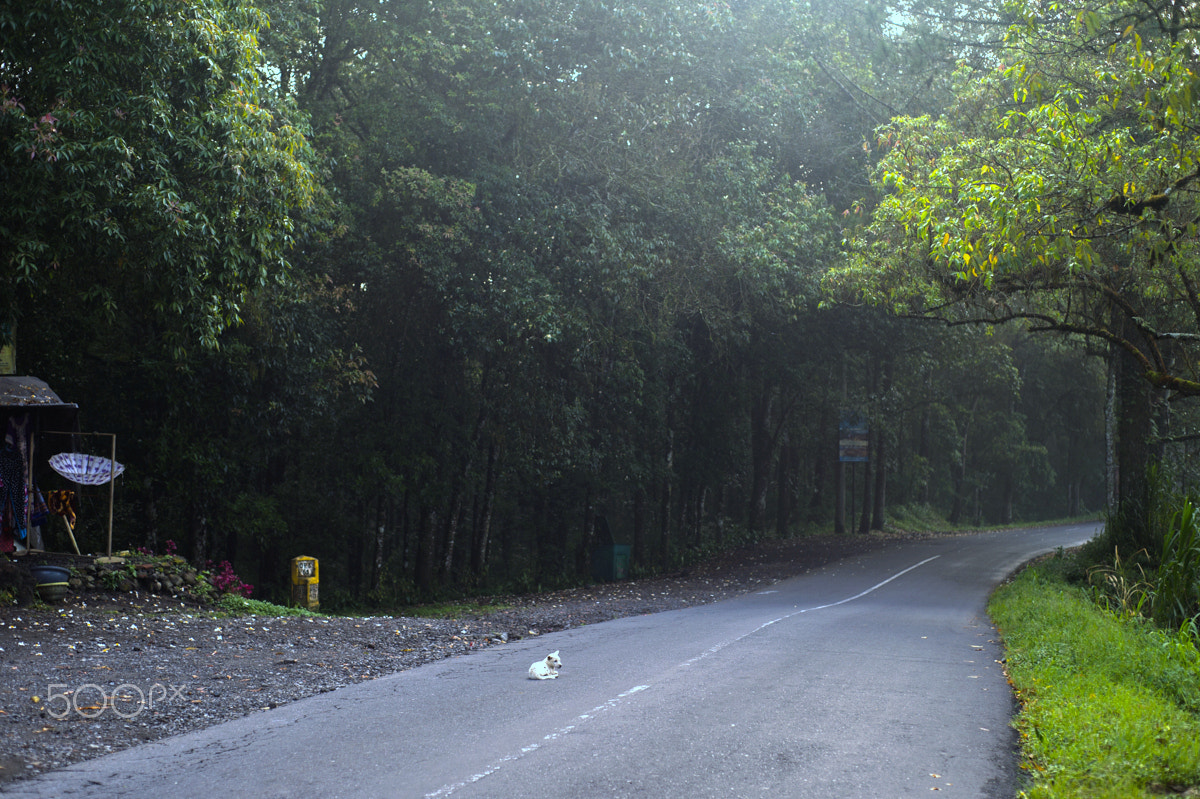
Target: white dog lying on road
546, 669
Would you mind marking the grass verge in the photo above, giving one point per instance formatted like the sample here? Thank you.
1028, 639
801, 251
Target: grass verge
1110, 706
234, 605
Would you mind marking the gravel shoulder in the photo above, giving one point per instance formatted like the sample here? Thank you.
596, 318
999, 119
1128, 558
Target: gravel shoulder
102, 671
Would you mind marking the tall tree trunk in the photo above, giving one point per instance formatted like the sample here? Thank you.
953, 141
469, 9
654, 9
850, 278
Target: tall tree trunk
483, 528
559, 554
879, 506
783, 488
354, 571
839, 487
1111, 474
407, 558
458, 498
638, 547
665, 497
923, 451
879, 501
583, 554
960, 483
722, 508
701, 502
761, 452
1072, 481
380, 531
864, 519
839, 475
426, 554
450, 534
682, 509
818, 467
231, 544
199, 530
270, 560
1135, 429
960, 474
664, 516
151, 514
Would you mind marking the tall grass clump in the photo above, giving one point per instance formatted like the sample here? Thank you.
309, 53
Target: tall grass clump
1177, 581
1147, 559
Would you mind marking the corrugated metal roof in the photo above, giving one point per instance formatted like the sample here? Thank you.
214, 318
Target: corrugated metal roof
29, 392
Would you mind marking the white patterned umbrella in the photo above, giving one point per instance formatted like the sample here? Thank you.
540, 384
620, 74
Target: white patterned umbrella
88, 470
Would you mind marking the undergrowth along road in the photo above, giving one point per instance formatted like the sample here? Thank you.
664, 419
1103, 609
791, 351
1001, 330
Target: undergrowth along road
1110, 706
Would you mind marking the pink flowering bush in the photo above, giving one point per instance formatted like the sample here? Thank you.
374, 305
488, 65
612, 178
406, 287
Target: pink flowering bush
226, 581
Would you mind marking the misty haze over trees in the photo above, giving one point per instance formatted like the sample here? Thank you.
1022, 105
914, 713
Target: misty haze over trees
448, 293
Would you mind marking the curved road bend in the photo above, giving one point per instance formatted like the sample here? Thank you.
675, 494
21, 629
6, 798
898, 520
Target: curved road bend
874, 677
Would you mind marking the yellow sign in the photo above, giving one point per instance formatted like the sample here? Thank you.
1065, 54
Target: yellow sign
305, 580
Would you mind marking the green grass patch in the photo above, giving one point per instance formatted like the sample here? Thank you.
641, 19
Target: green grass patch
1110, 706
919, 518
235, 605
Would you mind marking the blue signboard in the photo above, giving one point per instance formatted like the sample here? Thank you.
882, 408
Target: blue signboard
853, 433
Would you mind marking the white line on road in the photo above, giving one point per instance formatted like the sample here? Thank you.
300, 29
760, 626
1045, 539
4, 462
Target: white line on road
446, 790
767, 624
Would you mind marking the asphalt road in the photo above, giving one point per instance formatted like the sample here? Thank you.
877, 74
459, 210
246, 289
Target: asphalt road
875, 677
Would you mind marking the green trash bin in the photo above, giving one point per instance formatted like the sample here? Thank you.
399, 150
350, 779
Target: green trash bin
610, 562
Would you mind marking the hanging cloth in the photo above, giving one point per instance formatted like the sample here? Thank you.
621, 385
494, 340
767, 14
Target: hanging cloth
13, 494
39, 511
62, 503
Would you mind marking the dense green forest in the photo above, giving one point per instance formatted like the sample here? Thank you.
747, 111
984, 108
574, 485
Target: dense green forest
448, 293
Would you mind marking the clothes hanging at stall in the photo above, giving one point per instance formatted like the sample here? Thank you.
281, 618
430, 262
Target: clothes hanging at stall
62, 503
13, 491
39, 511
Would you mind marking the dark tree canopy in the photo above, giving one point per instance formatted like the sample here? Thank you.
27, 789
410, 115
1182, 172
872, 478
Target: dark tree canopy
142, 162
494, 286
1058, 189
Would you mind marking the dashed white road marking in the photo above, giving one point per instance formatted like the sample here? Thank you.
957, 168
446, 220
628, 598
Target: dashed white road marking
785, 617
446, 790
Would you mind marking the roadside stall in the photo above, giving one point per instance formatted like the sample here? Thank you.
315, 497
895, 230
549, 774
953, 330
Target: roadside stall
29, 410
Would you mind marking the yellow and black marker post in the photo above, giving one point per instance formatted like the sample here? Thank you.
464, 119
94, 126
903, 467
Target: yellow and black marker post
305, 580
